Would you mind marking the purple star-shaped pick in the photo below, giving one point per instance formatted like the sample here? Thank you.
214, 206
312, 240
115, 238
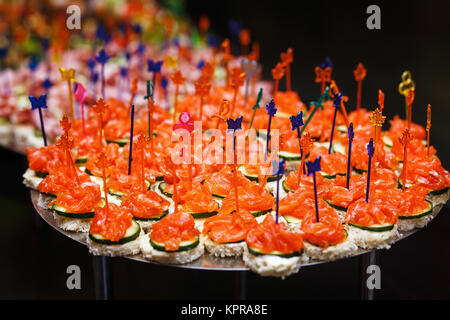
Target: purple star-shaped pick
336, 104
370, 148
270, 107
154, 66
102, 57
201, 64
350, 140
3, 52
137, 28
141, 49
337, 100
123, 72
33, 63
91, 64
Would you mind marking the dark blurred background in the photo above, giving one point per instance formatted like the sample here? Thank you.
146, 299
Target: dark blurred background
414, 35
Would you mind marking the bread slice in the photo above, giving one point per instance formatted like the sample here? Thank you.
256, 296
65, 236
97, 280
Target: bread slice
72, 224
339, 251
274, 266
373, 240
223, 250
31, 180
127, 249
181, 257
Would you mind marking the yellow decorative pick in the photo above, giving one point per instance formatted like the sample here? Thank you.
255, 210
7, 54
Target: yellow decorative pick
405, 87
69, 76
171, 62
428, 128
376, 119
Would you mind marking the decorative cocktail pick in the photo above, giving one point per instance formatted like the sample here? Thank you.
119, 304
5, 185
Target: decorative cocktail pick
306, 143
130, 158
255, 107
317, 104
359, 73
150, 101
405, 87
237, 80
223, 111
170, 62
226, 58
377, 120
404, 140
234, 125
102, 58
271, 111
409, 102
381, 100
296, 123
249, 68
69, 76
202, 87
103, 162
313, 167
335, 90
278, 169
141, 143
39, 103
155, 68
277, 74
336, 104
65, 143
134, 88
323, 73
100, 109
244, 39
370, 151
207, 71
47, 84
287, 58
123, 80
428, 128
186, 123
178, 79
350, 135
80, 94
32, 65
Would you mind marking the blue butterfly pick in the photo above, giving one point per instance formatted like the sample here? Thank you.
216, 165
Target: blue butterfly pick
164, 82
137, 28
33, 63
91, 64
212, 40
102, 34
3, 52
102, 57
296, 121
327, 63
313, 166
337, 100
350, 131
370, 148
234, 125
38, 102
45, 44
154, 66
201, 64
47, 84
123, 71
141, 48
235, 27
278, 167
270, 107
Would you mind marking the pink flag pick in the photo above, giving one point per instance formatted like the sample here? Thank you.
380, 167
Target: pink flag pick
80, 94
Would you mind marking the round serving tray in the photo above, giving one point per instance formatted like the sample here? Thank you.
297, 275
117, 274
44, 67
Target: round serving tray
206, 262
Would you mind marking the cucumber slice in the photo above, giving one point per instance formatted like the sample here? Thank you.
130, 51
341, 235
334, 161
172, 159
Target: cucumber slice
438, 192
81, 160
258, 252
156, 218
339, 148
286, 187
335, 206
421, 214
119, 194
387, 141
327, 176
131, 234
49, 194
41, 174
342, 128
162, 188
291, 219
360, 171
375, 228
120, 142
260, 213
159, 178
63, 212
289, 156
88, 171
184, 245
201, 215
254, 177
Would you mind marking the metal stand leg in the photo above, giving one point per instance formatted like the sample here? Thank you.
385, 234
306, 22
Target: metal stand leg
103, 278
367, 259
241, 285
